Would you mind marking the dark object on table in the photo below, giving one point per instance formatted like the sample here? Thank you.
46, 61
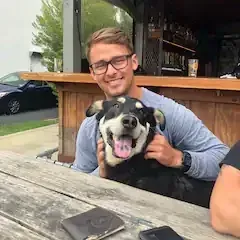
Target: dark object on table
159, 233
94, 224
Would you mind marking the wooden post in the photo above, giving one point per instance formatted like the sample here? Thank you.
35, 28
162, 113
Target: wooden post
74, 99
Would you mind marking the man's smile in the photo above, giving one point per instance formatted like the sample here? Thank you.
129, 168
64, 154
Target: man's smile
114, 81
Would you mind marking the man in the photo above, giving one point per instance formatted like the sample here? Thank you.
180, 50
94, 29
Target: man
225, 199
185, 143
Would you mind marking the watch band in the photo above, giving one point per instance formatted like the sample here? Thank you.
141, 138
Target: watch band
186, 161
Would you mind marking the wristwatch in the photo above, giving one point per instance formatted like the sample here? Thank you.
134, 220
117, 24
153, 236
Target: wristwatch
186, 162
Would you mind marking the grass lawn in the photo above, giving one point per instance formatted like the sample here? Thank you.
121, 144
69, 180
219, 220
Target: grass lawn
18, 127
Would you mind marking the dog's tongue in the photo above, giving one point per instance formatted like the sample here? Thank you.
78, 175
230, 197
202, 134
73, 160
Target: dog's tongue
123, 147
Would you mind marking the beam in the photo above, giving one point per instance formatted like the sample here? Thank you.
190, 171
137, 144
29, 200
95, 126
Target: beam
71, 36
139, 35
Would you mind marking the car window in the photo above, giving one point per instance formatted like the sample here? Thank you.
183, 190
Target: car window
13, 80
37, 83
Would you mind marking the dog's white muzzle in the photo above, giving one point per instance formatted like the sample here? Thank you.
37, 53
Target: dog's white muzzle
123, 136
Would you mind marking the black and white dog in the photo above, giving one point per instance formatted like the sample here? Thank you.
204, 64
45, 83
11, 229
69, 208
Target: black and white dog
127, 126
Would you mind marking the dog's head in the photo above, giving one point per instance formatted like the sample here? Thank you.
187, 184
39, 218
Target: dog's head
126, 126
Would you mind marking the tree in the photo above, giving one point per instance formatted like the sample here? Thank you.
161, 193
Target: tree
125, 22
96, 14
49, 25
49, 31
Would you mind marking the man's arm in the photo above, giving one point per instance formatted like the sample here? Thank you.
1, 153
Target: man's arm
225, 199
85, 156
191, 135
225, 202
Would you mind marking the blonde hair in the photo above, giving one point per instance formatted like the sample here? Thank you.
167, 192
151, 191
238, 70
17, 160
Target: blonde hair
110, 35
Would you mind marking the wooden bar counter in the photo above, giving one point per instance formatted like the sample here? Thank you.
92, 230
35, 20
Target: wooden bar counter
215, 101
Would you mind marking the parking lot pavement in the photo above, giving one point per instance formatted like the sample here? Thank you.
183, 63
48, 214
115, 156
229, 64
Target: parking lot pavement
42, 114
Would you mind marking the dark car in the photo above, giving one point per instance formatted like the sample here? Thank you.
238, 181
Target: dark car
18, 95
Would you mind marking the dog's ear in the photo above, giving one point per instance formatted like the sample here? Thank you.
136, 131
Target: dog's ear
95, 107
160, 118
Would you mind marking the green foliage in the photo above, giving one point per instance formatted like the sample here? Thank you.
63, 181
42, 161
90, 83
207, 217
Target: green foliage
6, 129
95, 14
126, 22
49, 31
54, 89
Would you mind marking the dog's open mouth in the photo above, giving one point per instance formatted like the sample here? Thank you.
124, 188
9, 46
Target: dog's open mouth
122, 145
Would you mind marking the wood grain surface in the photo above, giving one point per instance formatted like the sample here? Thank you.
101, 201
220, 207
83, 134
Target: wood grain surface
157, 81
40, 211
10, 230
40, 194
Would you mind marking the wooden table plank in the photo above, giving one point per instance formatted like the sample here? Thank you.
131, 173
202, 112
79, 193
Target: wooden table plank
41, 211
188, 220
10, 230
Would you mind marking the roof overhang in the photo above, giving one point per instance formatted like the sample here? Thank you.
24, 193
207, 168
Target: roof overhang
35, 49
199, 11
207, 11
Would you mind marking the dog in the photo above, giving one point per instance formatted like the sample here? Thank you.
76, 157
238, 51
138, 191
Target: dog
127, 126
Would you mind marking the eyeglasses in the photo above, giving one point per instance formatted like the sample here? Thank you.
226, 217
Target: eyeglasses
118, 62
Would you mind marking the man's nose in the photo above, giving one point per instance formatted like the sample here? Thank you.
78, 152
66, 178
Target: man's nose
110, 70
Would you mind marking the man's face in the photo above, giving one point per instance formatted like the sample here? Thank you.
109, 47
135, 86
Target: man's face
115, 81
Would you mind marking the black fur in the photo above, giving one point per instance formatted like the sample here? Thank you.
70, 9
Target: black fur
150, 175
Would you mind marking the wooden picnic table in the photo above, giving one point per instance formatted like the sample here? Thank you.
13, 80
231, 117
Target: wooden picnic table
37, 194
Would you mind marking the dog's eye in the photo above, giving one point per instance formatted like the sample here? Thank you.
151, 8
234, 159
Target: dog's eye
116, 105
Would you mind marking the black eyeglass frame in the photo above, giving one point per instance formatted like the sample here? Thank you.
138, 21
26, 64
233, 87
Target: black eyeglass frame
110, 62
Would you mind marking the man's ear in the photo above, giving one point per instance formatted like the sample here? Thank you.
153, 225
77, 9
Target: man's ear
95, 107
160, 118
134, 62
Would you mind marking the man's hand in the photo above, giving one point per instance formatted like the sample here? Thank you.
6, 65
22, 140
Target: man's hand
163, 152
100, 157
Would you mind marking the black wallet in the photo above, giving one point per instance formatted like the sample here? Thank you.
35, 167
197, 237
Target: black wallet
94, 224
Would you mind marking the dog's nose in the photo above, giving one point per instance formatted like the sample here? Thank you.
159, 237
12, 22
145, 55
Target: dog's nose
129, 122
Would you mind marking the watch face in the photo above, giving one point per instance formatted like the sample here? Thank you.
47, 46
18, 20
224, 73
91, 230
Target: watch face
187, 160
